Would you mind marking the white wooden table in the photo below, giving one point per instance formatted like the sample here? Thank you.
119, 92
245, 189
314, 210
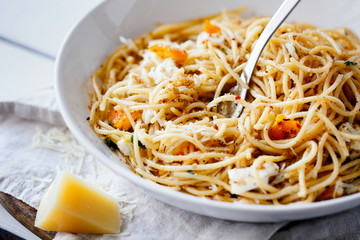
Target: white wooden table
31, 33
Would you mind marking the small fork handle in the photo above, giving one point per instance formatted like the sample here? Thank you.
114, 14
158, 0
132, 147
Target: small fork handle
281, 14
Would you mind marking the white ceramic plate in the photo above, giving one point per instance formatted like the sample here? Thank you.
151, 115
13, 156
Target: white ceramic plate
97, 35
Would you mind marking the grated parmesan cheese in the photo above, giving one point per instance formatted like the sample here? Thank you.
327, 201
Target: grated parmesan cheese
341, 187
125, 146
163, 71
292, 50
242, 179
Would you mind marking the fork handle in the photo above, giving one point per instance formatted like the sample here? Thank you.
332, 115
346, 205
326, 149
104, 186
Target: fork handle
281, 14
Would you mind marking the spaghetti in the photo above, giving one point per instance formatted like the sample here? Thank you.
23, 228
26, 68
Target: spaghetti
297, 140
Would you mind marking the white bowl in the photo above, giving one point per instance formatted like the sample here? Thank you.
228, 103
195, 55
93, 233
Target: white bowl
97, 35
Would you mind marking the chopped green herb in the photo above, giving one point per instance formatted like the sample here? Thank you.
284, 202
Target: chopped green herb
110, 143
191, 172
223, 49
140, 174
139, 143
348, 63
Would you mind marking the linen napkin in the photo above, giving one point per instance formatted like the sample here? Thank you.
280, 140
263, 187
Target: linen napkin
35, 144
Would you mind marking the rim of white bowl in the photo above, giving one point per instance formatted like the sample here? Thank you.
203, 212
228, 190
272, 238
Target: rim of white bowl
154, 187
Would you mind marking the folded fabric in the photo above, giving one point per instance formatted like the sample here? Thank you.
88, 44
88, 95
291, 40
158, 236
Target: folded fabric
27, 171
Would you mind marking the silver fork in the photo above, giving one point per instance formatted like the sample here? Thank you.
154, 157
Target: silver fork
232, 109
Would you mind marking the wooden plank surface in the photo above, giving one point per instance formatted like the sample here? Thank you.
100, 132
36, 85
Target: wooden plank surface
24, 214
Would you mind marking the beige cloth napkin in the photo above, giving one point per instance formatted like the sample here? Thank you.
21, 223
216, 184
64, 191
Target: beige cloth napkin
27, 171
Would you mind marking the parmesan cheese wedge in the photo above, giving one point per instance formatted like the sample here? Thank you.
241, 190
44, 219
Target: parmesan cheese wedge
72, 205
